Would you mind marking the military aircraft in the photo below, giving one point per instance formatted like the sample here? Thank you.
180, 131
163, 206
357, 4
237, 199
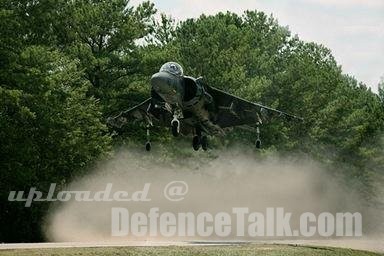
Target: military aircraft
189, 106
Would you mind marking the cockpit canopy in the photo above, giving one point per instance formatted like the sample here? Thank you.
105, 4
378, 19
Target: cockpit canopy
173, 68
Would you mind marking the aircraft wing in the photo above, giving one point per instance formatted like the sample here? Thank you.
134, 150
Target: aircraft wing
233, 111
134, 114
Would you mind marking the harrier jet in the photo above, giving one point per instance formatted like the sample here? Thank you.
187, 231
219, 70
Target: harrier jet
189, 106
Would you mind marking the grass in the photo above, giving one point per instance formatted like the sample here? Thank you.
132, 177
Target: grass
265, 250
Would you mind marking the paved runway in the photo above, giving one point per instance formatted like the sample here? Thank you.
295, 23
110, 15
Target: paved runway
358, 244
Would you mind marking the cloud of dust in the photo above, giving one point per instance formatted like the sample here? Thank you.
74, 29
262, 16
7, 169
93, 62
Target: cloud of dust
233, 178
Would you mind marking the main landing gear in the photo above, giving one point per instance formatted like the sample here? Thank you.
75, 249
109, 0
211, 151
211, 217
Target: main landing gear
199, 140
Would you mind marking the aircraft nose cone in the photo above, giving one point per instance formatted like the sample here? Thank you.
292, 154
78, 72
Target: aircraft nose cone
160, 82
167, 86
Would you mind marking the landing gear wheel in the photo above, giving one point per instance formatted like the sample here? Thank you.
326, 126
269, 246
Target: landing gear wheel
175, 128
196, 142
204, 143
148, 146
258, 144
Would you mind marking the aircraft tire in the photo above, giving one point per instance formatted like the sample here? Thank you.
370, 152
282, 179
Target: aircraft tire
258, 144
204, 143
175, 128
196, 143
148, 146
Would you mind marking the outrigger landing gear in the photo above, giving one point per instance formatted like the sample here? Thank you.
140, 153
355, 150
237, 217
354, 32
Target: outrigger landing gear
148, 146
148, 143
258, 141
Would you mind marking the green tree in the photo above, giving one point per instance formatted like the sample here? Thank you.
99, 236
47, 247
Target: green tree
103, 35
66, 65
49, 131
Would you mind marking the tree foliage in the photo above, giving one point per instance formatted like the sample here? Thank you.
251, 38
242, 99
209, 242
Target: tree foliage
66, 65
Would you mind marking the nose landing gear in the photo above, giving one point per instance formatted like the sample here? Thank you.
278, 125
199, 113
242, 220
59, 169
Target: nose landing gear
175, 123
175, 126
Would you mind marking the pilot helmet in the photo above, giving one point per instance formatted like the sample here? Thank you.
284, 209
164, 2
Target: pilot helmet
173, 68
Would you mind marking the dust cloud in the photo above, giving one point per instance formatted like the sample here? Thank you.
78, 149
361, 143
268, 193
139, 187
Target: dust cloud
216, 183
